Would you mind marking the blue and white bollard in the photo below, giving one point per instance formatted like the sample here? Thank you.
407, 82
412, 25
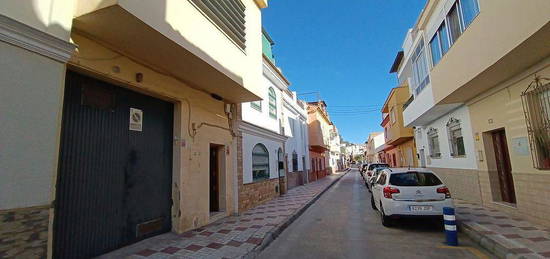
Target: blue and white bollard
449, 220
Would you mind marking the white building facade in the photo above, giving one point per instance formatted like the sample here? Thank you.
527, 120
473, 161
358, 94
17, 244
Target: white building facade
296, 146
375, 141
336, 161
274, 148
443, 132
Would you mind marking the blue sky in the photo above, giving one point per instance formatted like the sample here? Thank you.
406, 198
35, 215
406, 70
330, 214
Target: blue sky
344, 50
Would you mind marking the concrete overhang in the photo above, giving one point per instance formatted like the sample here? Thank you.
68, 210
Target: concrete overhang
433, 113
162, 48
531, 51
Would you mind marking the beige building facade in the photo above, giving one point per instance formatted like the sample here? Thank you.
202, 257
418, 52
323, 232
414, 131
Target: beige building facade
319, 128
84, 82
480, 94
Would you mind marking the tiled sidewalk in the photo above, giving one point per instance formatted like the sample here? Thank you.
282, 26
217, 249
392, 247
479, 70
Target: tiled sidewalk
231, 237
502, 234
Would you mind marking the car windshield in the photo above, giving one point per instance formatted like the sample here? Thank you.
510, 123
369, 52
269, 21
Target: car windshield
414, 179
374, 166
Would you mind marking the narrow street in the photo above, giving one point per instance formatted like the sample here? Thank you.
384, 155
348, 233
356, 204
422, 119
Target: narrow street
342, 224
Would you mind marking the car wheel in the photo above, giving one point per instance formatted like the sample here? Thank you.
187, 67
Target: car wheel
386, 221
372, 203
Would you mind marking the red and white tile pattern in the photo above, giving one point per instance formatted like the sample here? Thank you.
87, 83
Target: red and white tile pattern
519, 236
230, 237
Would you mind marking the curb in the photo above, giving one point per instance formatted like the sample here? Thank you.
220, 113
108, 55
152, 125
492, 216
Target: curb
486, 242
273, 234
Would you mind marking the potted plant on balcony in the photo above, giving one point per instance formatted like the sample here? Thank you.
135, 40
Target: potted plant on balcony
542, 140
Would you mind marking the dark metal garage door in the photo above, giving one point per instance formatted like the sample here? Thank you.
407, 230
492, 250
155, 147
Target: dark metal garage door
115, 168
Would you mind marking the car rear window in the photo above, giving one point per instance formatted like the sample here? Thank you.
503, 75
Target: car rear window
373, 166
414, 179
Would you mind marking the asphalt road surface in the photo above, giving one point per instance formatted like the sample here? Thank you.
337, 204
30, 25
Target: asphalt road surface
342, 224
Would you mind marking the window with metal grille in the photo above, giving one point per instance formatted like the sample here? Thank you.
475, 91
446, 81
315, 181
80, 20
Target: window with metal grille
433, 141
456, 141
294, 161
228, 15
536, 107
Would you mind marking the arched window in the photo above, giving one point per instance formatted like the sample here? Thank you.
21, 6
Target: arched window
272, 103
260, 163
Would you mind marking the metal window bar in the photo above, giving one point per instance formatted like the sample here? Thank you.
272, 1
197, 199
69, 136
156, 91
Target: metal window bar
536, 108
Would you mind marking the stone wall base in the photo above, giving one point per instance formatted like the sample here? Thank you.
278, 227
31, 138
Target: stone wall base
24, 232
295, 179
532, 191
463, 183
483, 187
254, 194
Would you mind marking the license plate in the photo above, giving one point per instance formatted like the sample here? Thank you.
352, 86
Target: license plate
421, 208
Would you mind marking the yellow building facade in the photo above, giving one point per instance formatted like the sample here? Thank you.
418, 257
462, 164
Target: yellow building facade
401, 148
170, 69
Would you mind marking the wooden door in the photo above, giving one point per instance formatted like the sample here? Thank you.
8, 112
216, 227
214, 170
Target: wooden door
504, 167
214, 179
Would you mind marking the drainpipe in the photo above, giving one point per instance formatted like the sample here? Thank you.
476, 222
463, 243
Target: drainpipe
234, 126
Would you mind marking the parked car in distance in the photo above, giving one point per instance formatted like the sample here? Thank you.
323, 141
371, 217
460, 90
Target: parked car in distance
375, 173
363, 168
369, 171
409, 193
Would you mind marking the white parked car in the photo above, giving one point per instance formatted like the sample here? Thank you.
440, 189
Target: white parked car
409, 193
370, 170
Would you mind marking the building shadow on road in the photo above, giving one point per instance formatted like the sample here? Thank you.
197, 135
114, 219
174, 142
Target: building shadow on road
419, 225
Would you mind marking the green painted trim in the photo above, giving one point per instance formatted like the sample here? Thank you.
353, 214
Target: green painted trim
256, 106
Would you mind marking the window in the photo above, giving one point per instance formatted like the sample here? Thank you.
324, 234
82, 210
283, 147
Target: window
256, 105
439, 43
470, 9
272, 103
433, 141
420, 68
536, 107
456, 140
228, 15
382, 179
436, 50
454, 24
294, 161
313, 165
392, 115
457, 20
260, 163
414, 179
443, 38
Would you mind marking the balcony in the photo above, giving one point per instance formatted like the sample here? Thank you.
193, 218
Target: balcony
506, 38
183, 40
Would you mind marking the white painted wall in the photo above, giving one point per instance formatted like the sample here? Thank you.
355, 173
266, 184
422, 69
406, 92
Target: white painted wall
379, 140
446, 161
262, 118
420, 105
296, 131
30, 111
249, 141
